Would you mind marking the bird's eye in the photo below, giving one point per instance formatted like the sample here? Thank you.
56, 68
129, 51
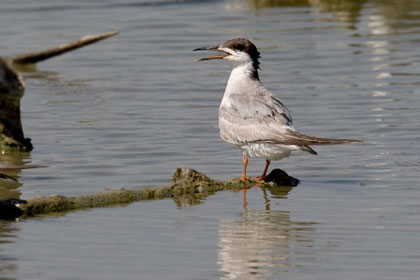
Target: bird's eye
239, 47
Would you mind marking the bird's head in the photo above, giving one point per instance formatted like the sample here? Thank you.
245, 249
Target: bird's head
237, 52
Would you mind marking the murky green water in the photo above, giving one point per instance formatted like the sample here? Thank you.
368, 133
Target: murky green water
127, 111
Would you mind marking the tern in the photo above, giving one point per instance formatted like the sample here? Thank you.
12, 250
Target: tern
251, 117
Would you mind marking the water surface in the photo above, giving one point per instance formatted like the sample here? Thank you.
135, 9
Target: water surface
127, 111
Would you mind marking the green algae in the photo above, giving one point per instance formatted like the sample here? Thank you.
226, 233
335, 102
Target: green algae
58, 203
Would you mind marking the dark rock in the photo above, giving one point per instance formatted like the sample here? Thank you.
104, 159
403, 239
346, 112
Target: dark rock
9, 209
281, 178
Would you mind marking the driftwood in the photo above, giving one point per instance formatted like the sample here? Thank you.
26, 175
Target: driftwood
188, 187
12, 88
49, 53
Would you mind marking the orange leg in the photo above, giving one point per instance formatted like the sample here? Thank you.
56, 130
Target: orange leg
244, 203
244, 178
264, 174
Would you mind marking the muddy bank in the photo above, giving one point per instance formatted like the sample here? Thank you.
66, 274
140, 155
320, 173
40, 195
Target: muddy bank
188, 187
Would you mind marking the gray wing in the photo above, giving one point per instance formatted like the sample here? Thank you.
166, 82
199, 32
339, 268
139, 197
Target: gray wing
246, 118
261, 118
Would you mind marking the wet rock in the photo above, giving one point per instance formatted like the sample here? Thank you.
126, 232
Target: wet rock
281, 178
10, 209
190, 187
190, 177
186, 180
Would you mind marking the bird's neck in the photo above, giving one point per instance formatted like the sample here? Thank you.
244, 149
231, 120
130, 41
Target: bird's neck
242, 77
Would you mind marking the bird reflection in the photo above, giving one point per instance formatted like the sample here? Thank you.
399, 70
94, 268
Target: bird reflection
277, 192
263, 243
282, 185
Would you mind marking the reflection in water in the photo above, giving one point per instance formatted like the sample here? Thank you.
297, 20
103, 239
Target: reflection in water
263, 243
388, 17
7, 264
277, 192
10, 188
346, 11
30, 71
260, 244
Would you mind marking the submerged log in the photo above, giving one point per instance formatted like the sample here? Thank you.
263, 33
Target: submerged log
12, 88
188, 187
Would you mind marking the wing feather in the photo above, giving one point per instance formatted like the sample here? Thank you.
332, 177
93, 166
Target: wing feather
250, 118
261, 118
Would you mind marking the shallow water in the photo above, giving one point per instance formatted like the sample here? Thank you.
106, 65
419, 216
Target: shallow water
127, 111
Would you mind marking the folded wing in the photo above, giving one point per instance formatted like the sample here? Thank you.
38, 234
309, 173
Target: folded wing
261, 118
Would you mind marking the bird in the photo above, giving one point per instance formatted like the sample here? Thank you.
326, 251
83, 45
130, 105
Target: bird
251, 117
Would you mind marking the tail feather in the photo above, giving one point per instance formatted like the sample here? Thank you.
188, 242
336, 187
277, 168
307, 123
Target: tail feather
304, 140
308, 149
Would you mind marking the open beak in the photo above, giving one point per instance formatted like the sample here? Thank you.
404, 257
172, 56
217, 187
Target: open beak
212, 57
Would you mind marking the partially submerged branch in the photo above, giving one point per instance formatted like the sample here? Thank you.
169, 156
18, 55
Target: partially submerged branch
188, 187
12, 88
35, 57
